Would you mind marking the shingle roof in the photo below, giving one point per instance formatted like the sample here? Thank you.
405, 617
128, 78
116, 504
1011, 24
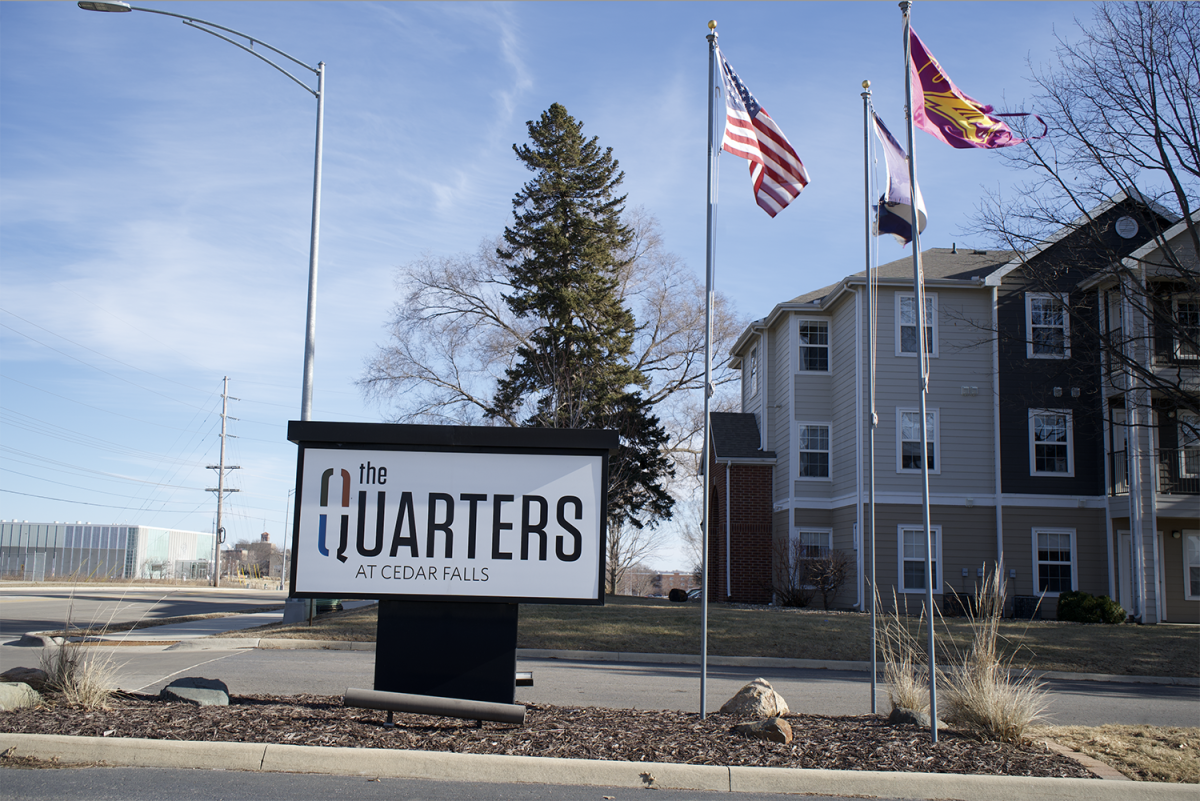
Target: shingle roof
937, 263
735, 436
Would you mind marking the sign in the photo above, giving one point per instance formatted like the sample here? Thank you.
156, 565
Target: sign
422, 513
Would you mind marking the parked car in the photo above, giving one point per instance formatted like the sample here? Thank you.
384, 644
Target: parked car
694, 594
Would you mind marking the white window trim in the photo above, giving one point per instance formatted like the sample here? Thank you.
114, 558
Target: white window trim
1033, 471
795, 537
828, 346
1187, 578
939, 566
796, 426
931, 321
753, 376
1037, 562
1066, 326
1175, 343
1181, 447
934, 437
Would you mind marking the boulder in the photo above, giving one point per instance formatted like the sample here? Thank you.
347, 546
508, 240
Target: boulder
912, 717
757, 700
17, 695
775, 729
196, 690
34, 677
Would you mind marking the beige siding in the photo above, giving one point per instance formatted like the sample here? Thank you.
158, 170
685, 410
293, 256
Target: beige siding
965, 425
779, 438
1091, 557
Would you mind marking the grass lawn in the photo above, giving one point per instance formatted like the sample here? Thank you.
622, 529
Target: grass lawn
1143, 753
646, 625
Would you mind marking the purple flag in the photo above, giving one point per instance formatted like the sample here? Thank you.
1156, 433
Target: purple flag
942, 109
895, 209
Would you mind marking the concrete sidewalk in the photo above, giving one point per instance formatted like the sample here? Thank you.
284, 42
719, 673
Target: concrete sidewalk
437, 766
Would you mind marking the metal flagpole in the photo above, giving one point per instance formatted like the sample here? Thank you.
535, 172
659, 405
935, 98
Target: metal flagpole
871, 311
922, 369
708, 325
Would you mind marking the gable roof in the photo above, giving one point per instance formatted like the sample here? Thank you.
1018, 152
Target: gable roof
943, 267
735, 436
1122, 198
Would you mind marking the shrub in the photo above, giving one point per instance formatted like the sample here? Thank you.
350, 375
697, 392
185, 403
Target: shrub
1081, 607
983, 692
790, 584
905, 669
827, 573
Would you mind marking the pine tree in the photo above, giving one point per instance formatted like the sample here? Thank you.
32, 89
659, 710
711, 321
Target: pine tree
562, 255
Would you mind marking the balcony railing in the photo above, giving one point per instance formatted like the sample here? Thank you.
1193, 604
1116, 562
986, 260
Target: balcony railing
1178, 471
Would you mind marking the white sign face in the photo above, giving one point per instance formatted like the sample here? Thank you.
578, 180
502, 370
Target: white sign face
391, 523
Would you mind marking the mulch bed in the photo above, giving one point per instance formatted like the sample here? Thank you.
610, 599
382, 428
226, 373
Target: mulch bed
864, 742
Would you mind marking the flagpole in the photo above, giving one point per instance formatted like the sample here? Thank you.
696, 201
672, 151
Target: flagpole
871, 302
708, 326
922, 371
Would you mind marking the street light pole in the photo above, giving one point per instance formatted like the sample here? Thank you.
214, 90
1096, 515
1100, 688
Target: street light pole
310, 329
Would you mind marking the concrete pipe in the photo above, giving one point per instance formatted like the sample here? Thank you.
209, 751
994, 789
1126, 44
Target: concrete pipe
432, 705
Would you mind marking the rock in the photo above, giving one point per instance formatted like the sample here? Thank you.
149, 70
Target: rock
196, 690
34, 677
912, 717
17, 695
758, 700
775, 729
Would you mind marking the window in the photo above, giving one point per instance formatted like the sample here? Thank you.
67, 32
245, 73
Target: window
813, 444
1187, 334
912, 557
906, 324
1191, 565
813, 336
1054, 560
1187, 432
1050, 443
808, 544
752, 373
1047, 333
908, 436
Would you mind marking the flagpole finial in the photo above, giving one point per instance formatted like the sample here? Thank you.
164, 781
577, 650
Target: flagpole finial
712, 24
866, 84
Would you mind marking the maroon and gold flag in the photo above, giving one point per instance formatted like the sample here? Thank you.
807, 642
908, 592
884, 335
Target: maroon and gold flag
942, 109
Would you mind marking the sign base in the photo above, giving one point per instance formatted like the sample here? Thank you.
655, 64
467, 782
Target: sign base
462, 650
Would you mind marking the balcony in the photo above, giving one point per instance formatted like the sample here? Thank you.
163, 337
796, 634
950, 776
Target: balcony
1178, 472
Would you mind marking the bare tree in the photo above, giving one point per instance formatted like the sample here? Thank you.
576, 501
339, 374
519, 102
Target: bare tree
627, 549
826, 574
790, 584
1124, 112
452, 337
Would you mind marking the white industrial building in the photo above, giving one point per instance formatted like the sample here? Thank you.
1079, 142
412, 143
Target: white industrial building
65, 551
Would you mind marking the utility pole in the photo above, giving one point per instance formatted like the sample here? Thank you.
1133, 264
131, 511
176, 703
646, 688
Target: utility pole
220, 488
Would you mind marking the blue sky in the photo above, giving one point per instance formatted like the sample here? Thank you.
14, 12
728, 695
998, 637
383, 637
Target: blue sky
155, 189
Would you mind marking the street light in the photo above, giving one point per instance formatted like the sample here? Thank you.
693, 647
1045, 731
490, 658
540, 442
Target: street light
310, 333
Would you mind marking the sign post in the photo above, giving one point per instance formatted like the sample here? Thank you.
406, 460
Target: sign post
449, 527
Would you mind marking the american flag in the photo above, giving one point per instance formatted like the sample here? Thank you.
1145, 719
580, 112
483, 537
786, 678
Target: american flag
750, 133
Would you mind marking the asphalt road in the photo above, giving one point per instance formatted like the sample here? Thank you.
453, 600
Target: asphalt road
32, 608
561, 682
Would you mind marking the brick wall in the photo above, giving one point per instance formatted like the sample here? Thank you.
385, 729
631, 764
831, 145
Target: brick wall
749, 533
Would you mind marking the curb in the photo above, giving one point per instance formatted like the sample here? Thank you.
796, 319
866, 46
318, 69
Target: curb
442, 766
